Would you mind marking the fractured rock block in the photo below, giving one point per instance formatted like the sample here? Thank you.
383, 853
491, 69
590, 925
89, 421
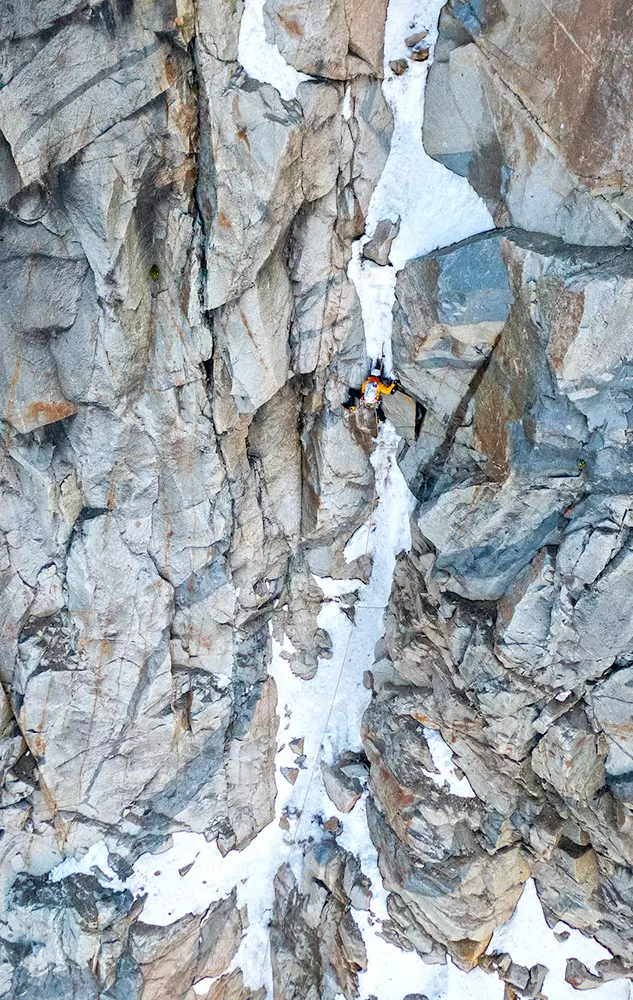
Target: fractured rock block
193, 948
450, 307
579, 976
508, 117
255, 329
343, 788
516, 975
329, 38
581, 863
612, 703
568, 758
537, 978
545, 832
379, 246
75, 88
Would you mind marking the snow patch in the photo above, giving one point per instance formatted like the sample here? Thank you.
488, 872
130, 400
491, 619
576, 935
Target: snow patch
202, 987
376, 287
96, 861
331, 589
260, 58
529, 940
436, 207
392, 973
346, 110
443, 760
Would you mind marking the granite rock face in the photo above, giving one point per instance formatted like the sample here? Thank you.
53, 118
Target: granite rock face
179, 331
168, 340
527, 101
316, 945
510, 626
336, 39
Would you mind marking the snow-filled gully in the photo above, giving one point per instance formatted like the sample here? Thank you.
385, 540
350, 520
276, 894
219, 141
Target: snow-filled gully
435, 208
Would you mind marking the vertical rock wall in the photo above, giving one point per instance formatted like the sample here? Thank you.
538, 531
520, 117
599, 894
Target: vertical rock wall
178, 333
510, 628
175, 313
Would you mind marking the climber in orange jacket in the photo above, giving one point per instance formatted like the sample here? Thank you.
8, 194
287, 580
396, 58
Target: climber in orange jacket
369, 394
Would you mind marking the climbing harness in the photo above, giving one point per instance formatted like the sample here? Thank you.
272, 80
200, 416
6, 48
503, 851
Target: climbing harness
373, 388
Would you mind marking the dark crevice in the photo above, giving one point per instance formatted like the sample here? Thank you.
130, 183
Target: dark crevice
426, 479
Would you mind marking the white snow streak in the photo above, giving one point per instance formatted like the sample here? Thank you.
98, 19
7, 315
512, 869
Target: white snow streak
435, 206
94, 862
443, 760
376, 287
336, 588
261, 59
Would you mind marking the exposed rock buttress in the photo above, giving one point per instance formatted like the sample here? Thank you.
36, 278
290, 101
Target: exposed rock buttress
179, 334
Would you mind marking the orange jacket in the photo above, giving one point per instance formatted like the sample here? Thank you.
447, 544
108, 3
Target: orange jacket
382, 388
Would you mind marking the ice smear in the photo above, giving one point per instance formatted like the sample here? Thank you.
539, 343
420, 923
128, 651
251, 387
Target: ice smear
443, 760
261, 59
436, 207
529, 940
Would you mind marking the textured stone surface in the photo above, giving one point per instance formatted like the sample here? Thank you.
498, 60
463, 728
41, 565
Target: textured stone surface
329, 38
189, 950
521, 100
509, 627
378, 247
179, 332
154, 314
317, 947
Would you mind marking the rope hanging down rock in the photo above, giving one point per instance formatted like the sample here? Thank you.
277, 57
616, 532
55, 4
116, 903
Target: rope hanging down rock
293, 841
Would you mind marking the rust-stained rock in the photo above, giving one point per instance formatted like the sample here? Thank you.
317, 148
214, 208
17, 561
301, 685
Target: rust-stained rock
412, 40
330, 38
398, 66
532, 123
333, 825
420, 53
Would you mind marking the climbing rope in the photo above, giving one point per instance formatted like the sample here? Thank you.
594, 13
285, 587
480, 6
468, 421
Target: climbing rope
293, 841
